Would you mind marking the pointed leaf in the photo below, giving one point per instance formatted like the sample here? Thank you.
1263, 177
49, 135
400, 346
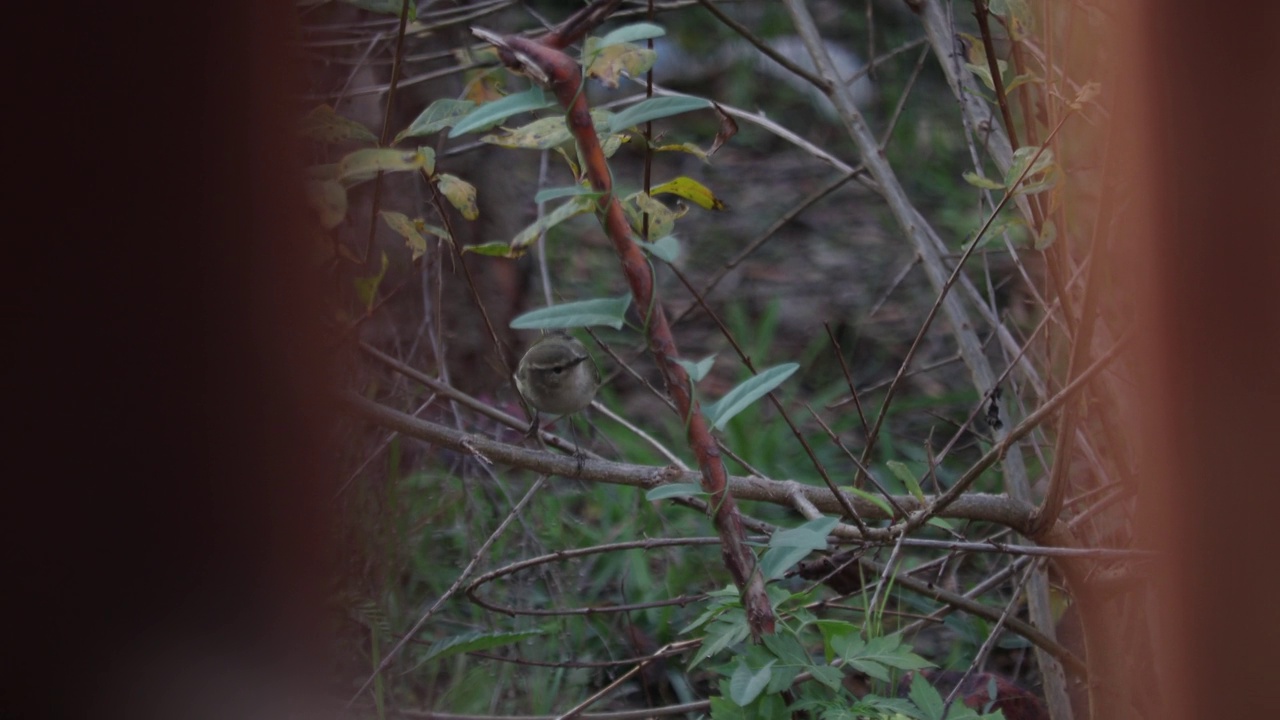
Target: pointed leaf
473, 641
439, 115
1022, 157
833, 678
746, 685
575, 206
691, 190
776, 561
670, 490
729, 629
812, 535
406, 227
1021, 80
666, 248
362, 165
655, 108
461, 194
926, 698
544, 133
977, 180
490, 114
584, 313
874, 500
631, 33
908, 478
541, 134
685, 148
492, 249
739, 398
698, 370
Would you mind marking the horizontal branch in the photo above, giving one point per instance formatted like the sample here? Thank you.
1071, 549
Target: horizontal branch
998, 509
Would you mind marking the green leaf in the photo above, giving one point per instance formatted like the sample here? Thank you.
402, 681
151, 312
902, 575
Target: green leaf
631, 33
575, 206
718, 602
745, 685
490, 114
776, 561
812, 535
833, 678
541, 134
977, 180
1022, 157
473, 641
362, 165
984, 74
783, 678
890, 650
491, 249
739, 398
670, 490
584, 313
722, 708
324, 125
787, 648
788, 547
653, 109
1021, 80
908, 478
697, 370
666, 248
926, 698
874, 500
439, 115
728, 629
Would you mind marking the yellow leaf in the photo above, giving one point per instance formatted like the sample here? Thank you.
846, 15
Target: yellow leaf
610, 63
662, 219
461, 194
685, 148
691, 190
407, 228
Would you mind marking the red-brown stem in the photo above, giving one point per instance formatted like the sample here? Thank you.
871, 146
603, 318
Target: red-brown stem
565, 80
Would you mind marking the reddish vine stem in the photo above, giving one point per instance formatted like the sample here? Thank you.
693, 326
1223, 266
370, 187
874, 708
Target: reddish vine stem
542, 59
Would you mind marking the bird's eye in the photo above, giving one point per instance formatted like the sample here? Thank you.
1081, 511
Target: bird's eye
557, 370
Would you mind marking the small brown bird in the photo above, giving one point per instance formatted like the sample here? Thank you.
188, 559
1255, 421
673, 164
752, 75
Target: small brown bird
557, 376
